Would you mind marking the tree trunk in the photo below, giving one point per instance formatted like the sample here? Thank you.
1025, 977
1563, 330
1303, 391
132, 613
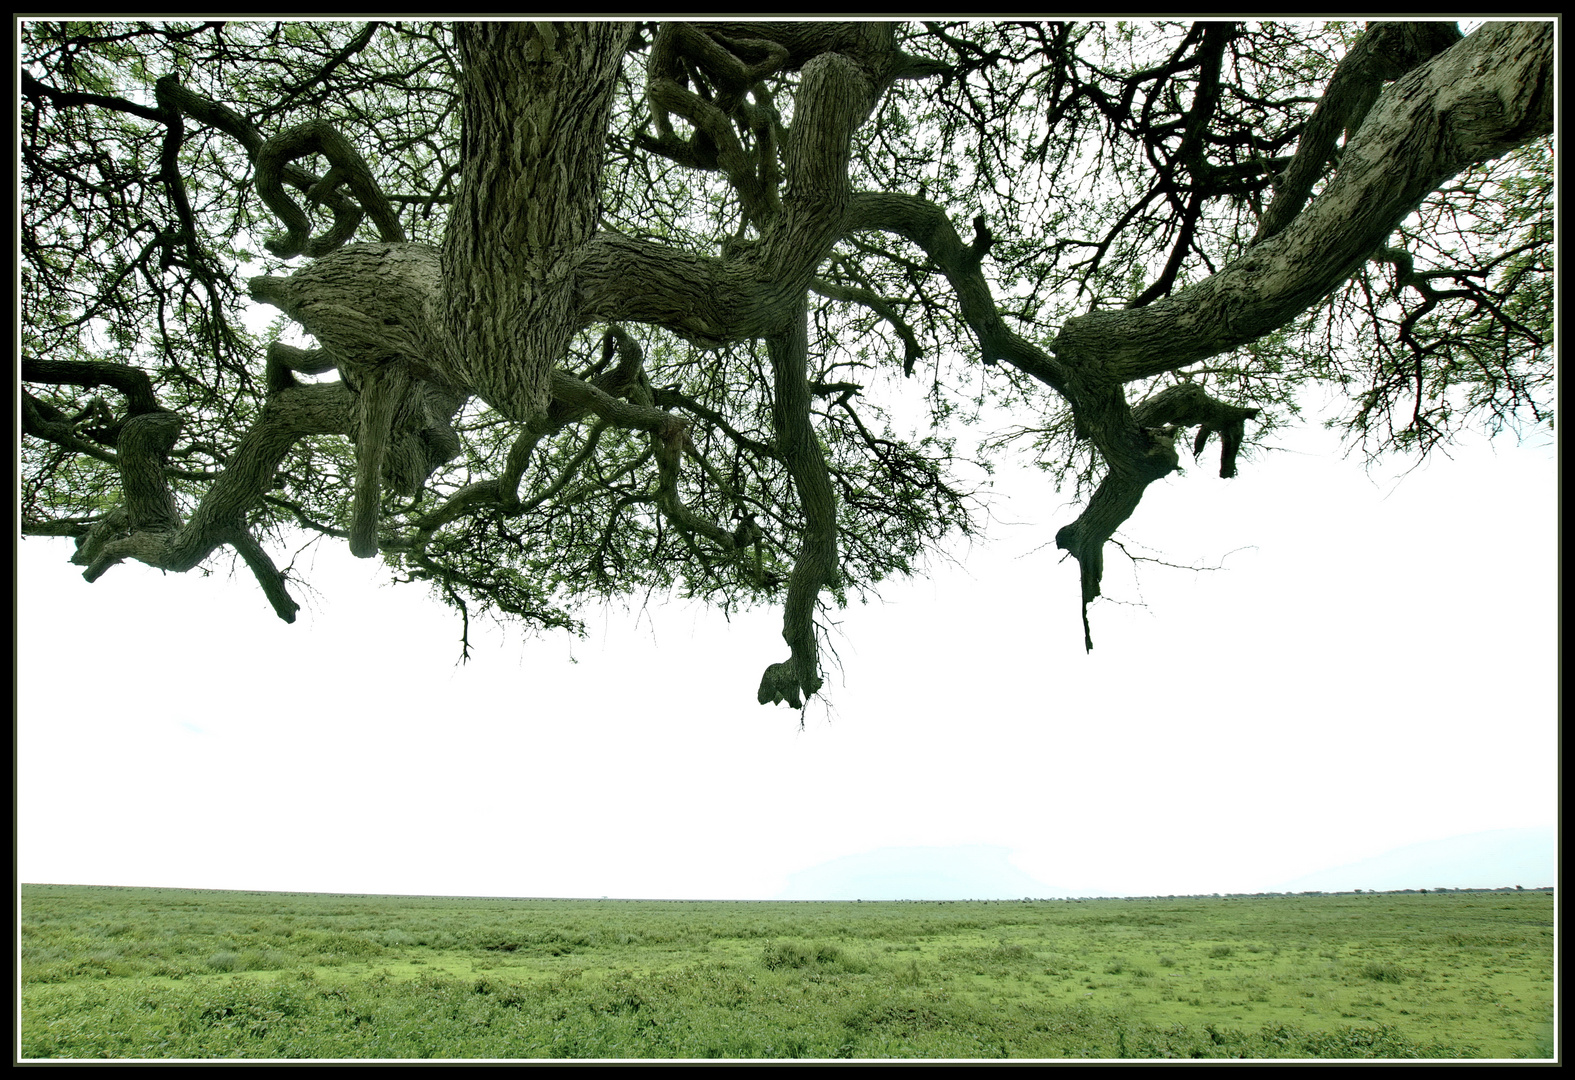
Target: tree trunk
536, 103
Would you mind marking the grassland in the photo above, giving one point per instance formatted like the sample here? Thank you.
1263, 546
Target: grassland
158, 973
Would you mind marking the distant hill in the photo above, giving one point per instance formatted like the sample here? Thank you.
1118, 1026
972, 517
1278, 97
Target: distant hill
963, 872
1486, 860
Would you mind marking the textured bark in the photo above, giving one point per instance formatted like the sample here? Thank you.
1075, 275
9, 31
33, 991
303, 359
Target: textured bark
144, 445
376, 311
348, 170
413, 329
130, 381
817, 565
221, 516
1383, 54
1486, 95
756, 292
369, 304
536, 101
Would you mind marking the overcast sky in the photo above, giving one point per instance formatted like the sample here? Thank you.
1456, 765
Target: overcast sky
1372, 665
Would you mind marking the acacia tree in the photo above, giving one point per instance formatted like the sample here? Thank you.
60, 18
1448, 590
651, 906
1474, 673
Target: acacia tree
597, 307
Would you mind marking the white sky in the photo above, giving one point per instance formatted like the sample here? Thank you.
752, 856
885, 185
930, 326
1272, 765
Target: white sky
1375, 665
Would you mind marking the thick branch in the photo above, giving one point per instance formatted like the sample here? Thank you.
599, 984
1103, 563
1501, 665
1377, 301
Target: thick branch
381, 390
817, 565
715, 143
1488, 94
32, 88
1386, 52
756, 291
267, 574
133, 382
347, 168
283, 360
42, 420
926, 225
1186, 404
145, 444
205, 111
219, 517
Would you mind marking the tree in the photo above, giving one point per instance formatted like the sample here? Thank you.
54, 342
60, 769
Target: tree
612, 306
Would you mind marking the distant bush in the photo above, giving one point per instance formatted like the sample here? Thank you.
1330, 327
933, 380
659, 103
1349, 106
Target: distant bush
1379, 972
799, 954
246, 960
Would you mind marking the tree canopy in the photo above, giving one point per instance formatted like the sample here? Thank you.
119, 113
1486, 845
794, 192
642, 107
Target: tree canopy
573, 310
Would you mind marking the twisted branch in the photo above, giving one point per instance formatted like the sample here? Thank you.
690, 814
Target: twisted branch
347, 168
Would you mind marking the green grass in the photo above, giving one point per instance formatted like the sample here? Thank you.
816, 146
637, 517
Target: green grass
153, 973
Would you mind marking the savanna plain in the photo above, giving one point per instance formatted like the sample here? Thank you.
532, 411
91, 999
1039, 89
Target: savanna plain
164, 973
